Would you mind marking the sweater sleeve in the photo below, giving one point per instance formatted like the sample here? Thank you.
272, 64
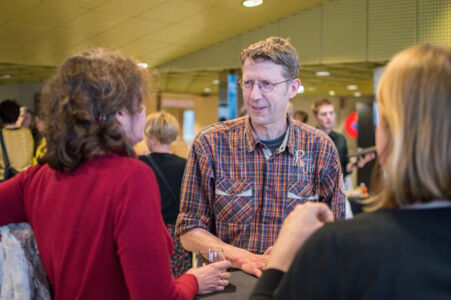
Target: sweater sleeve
12, 208
315, 271
143, 243
266, 285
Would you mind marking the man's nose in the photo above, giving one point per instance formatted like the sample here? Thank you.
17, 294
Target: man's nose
255, 91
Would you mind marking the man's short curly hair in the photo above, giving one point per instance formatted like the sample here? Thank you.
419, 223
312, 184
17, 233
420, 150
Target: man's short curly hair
277, 50
79, 104
9, 111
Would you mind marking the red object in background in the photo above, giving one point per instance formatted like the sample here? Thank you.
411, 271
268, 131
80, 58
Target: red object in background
351, 125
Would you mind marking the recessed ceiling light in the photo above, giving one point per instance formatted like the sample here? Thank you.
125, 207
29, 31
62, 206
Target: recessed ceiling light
142, 65
352, 87
332, 93
216, 81
322, 73
6, 76
301, 89
207, 90
357, 94
251, 3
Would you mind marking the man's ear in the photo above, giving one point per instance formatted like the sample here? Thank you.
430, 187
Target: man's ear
120, 115
294, 87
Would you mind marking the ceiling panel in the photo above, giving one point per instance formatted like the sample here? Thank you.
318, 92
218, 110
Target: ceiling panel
175, 10
37, 35
47, 14
127, 8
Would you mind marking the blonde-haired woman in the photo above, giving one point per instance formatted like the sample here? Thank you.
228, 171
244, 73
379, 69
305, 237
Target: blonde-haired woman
160, 132
402, 249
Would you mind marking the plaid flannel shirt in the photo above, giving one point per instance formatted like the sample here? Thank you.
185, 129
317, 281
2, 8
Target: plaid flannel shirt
233, 188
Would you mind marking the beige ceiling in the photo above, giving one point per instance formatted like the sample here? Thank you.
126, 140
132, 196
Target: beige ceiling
37, 35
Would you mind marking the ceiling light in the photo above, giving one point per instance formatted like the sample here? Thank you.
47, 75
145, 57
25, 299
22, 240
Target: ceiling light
352, 87
142, 65
6, 76
216, 81
251, 3
207, 90
301, 89
322, 73
332, 93
357, 94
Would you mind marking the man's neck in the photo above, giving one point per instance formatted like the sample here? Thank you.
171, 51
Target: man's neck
11, 126
270, 132
328, 131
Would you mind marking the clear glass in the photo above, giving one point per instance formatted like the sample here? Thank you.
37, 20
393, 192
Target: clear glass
209, 255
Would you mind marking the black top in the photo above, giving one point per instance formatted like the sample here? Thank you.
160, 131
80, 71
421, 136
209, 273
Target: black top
172, 167
388, 254
342, 148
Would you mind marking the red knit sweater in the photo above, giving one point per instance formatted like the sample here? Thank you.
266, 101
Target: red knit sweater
99, 230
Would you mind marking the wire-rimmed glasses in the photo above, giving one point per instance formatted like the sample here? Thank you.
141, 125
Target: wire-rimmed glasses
265, 86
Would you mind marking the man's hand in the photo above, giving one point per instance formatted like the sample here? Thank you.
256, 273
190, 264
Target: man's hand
363, 160
302, 222
248, 262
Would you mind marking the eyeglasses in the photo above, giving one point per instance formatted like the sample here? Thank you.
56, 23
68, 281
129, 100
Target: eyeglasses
264, 86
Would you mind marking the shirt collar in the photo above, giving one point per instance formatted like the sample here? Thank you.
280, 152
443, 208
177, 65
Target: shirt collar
288, 142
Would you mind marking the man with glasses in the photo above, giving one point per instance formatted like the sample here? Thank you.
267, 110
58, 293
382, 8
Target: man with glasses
245, 175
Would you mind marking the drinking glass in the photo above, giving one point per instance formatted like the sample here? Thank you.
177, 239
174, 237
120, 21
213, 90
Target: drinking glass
209, 255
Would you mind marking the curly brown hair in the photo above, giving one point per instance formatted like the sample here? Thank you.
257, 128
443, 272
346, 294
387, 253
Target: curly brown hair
79, 104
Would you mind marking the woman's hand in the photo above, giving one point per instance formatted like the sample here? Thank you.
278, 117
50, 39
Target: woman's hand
304, 220
212, 277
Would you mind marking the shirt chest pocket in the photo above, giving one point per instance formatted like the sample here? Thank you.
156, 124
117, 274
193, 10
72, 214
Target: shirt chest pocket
234, 201
299, 192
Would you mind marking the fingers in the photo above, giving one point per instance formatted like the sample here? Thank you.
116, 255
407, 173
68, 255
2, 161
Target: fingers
324, 213
226, 276
221, 265
257, 272
268, 251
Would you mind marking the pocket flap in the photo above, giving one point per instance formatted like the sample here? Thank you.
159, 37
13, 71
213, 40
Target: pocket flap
301, 190
228, 186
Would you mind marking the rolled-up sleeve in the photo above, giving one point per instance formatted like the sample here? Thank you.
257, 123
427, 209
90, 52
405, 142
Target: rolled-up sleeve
197, 191
331, 185
12, 208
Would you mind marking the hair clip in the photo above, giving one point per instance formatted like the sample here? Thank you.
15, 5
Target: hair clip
102, 118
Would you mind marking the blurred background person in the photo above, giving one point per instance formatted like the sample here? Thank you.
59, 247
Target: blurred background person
28, 120
17, 144
301, 116
41, 143
402, 249
324, 114
94, 207
26, 117
160, 132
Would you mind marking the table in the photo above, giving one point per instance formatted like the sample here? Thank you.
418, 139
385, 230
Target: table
240, 287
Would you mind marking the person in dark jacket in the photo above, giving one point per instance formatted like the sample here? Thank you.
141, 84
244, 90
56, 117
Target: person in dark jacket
160, 132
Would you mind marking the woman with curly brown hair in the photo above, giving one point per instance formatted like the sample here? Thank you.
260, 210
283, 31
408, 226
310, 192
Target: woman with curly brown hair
95, 210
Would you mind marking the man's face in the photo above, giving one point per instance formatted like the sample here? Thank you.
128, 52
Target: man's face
268, 109
325, 117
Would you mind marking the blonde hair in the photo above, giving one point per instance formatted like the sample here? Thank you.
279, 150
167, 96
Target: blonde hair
163, 126
414, 98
